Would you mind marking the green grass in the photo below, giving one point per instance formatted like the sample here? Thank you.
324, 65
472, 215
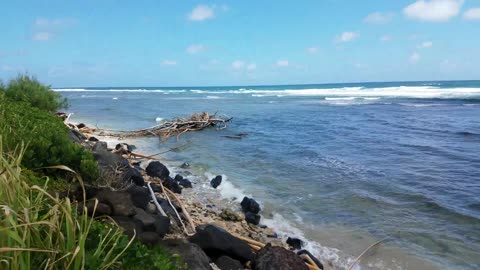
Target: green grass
41, 231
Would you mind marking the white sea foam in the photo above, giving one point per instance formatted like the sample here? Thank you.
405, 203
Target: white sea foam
115, 98
425, 91
340, 98
167, 91
284, 228
227, 189
213, 97
159, 119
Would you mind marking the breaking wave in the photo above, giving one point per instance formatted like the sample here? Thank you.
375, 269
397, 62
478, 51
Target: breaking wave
343, 93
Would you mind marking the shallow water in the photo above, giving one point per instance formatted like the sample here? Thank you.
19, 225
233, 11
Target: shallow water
343, 165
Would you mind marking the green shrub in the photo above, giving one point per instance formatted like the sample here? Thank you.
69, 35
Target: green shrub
29, 89
45, 138
137, 256
140, 257
40, 231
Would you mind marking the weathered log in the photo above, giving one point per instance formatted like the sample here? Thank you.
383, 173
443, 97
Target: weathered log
176, 127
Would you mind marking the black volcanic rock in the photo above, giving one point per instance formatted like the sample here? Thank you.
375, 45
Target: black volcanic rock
215, 182
250, 205
157, 169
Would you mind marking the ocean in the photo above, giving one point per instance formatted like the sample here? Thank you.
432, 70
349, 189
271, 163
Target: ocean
339, 165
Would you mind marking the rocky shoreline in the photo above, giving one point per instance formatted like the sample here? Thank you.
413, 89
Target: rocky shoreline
204, 232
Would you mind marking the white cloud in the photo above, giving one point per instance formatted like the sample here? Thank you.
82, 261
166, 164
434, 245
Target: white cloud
415, 57
42, 36
385, 38
53, 23
360, 66
282, 63
251, 67
312, 50
425, 44
168, 62
347, 36
472, 14
238, 64
378, 18
45, 29
201, 13
196, 48
433, 10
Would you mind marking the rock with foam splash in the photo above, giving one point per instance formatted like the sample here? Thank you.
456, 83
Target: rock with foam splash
215, 182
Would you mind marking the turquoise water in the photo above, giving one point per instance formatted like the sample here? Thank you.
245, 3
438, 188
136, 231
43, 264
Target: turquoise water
343, 165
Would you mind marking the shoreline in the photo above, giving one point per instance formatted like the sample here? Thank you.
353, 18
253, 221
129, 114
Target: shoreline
346, 240
207, 206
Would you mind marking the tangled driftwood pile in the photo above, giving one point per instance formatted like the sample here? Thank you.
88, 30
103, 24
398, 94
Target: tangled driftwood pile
177, 127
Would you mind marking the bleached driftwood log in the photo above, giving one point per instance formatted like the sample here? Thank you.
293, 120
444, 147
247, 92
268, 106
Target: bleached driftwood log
175, 127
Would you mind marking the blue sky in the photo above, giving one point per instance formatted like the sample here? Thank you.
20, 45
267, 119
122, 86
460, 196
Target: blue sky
185, 43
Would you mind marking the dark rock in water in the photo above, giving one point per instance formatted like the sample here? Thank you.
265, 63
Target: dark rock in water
157, 169
81, 125
185, 165
130, 226
315, 260
93, 139
215, 182
161, 225
250, 205
178, 178
132, 174
119, 201
274, 258
190, 253
143, 217
295, 243
230, 215
252, 218
75, 136
272, 235
185, 183
227, 263
140, 196
216, 242
149, 238
124, 147
171, 184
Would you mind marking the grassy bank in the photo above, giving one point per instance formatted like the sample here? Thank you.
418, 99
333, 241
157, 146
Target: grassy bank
38, 229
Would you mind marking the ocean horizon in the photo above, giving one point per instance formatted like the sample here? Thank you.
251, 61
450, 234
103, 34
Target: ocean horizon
338, 165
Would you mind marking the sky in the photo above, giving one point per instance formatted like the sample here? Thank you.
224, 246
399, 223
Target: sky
68, 43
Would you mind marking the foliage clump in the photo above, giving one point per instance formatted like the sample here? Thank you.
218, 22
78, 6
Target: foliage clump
28, 89
45, 137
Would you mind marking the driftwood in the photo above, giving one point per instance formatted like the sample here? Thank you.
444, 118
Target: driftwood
176, 127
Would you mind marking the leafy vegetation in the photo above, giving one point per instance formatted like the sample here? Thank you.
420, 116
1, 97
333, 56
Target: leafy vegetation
45, 137
28, 89
40, 231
